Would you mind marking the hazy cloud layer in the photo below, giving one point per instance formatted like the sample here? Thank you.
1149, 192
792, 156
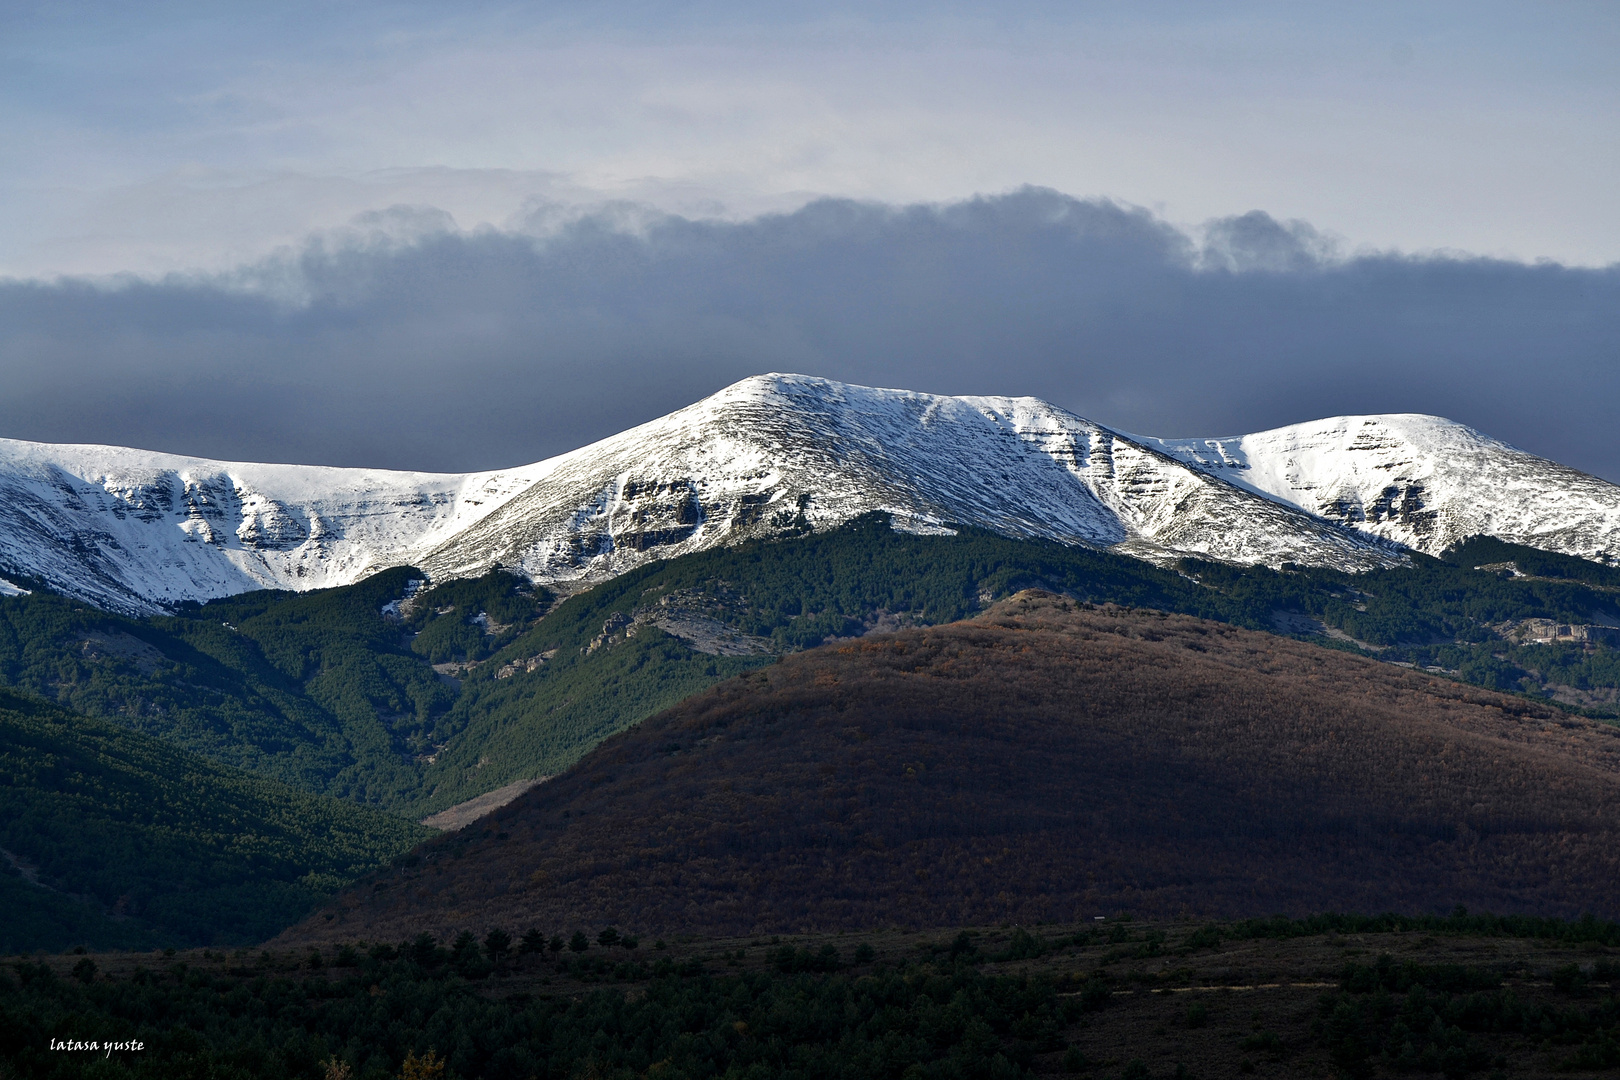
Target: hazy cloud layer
404, 343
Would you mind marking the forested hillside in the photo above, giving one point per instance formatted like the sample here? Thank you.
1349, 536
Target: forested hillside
114, 839
611, 656
1103, 760
1462, 995
319, 690
415, 697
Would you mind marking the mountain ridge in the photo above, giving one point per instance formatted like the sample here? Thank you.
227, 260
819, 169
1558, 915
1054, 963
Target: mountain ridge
774, 455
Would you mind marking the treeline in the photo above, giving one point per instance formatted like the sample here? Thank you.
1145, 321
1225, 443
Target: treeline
974, 1003
1410, 1017
393, 1006
1582, 931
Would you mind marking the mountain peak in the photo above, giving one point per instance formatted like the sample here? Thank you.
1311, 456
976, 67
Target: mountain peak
1421, 481
774, 455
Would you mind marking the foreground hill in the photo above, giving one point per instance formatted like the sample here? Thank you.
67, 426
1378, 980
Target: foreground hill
113, 839
1045, 761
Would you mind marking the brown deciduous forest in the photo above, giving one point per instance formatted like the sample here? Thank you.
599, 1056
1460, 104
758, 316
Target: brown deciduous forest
1045, 761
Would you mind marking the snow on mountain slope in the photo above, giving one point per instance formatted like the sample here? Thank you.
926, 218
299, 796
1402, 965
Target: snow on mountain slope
1422, 481
770, 455
772, 452
773, 455
135, 531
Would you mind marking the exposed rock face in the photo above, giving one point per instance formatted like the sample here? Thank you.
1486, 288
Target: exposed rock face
266, 525
777, 455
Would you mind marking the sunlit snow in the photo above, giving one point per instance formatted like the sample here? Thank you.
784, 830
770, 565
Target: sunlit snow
773, 455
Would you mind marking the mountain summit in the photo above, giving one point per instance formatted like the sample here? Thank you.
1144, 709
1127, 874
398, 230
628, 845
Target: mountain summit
1421, 481
776, 455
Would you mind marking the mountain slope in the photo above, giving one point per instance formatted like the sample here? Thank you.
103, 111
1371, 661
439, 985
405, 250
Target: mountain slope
134, 531
316, 690
115, 839
1421, 481
331, 691
1041, 762
778, 452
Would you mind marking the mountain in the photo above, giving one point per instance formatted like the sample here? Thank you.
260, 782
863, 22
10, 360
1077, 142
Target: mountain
138, 532
776, 453
1419, 481
771, 455
413, 698
1044, 761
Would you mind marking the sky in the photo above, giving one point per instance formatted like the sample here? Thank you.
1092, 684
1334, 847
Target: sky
468, 236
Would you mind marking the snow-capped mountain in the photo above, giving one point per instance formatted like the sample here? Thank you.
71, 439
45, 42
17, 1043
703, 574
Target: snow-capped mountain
772, 451
1421, 481
137, 531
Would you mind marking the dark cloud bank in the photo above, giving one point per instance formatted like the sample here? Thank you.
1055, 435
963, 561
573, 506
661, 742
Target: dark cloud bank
454, 351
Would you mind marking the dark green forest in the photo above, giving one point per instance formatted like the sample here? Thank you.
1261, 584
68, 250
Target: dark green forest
686, 1022
114, 838
1471, 995
319, 690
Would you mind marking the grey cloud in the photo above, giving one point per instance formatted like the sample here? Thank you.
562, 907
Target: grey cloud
1257, 241
415, 346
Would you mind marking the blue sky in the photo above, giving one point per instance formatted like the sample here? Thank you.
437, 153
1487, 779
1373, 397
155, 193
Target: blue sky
463, 236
